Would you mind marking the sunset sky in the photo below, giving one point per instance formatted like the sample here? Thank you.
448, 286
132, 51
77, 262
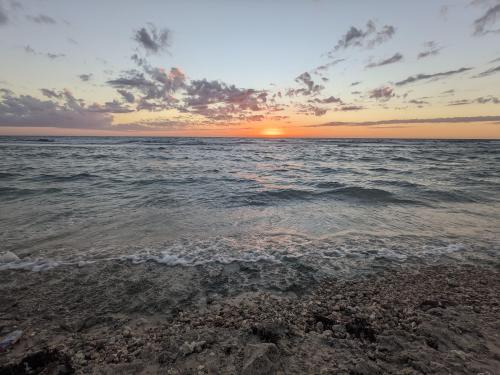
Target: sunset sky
295, 68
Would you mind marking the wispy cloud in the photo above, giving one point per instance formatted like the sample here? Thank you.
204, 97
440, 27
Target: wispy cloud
50, 55
420, 77
488, 72
391, 60
430, 49
382, 93
488, 19
369, 36
42, 19
490, 99
438, 120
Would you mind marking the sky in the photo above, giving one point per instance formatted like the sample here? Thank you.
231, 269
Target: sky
251, 68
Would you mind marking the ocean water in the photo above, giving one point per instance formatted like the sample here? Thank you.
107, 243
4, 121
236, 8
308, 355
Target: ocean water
331, 206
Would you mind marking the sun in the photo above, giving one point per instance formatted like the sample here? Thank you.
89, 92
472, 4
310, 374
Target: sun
271, 132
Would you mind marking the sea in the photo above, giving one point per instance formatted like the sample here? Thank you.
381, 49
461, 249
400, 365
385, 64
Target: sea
331, 206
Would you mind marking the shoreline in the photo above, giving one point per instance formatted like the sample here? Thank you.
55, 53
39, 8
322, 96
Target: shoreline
174, 320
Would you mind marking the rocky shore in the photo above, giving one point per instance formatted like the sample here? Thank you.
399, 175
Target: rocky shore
429, 320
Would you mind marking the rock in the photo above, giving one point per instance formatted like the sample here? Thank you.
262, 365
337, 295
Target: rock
190, 347
320, 327
126, 332
8, 257
10, 340
261, 359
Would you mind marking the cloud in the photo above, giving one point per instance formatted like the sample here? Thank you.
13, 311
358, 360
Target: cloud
489, 18
329, 100
42, 19
481, 100
420, 77
311, 88
431, 49
51, 93
66, 112
312, 110
85, 77
391, 60
127, 96
382, 93
155, 86
438, 120
323, 68
348, 108
152, 39
50, 55
418, 102
4, 18
488, 72
54, 56
367, 37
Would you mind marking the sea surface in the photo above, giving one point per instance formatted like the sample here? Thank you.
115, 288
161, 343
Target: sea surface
331, 206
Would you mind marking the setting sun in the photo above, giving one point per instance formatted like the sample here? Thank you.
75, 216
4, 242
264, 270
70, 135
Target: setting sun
272, 132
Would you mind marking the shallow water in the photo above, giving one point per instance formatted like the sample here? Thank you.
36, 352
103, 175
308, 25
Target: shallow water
329, 205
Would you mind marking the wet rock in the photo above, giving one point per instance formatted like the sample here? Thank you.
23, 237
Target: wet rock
261, 359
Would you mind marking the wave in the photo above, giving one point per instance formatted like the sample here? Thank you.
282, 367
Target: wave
56, 178
7, 175
17, 192
450, 196
366, 195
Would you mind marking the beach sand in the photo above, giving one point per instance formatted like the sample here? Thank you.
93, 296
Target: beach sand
122, 318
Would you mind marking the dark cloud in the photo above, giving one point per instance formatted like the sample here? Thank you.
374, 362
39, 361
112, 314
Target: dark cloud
420, 77
348, 108
488, 19
365, 37
42, 19
431, 49
439, 120
127, 96
488, 72
391, 60
382, 93
152, 39
85, 77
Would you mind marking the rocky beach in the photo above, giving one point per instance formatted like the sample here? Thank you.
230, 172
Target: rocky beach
148, 319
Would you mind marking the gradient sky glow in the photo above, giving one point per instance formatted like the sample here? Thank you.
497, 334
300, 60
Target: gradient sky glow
298, 68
